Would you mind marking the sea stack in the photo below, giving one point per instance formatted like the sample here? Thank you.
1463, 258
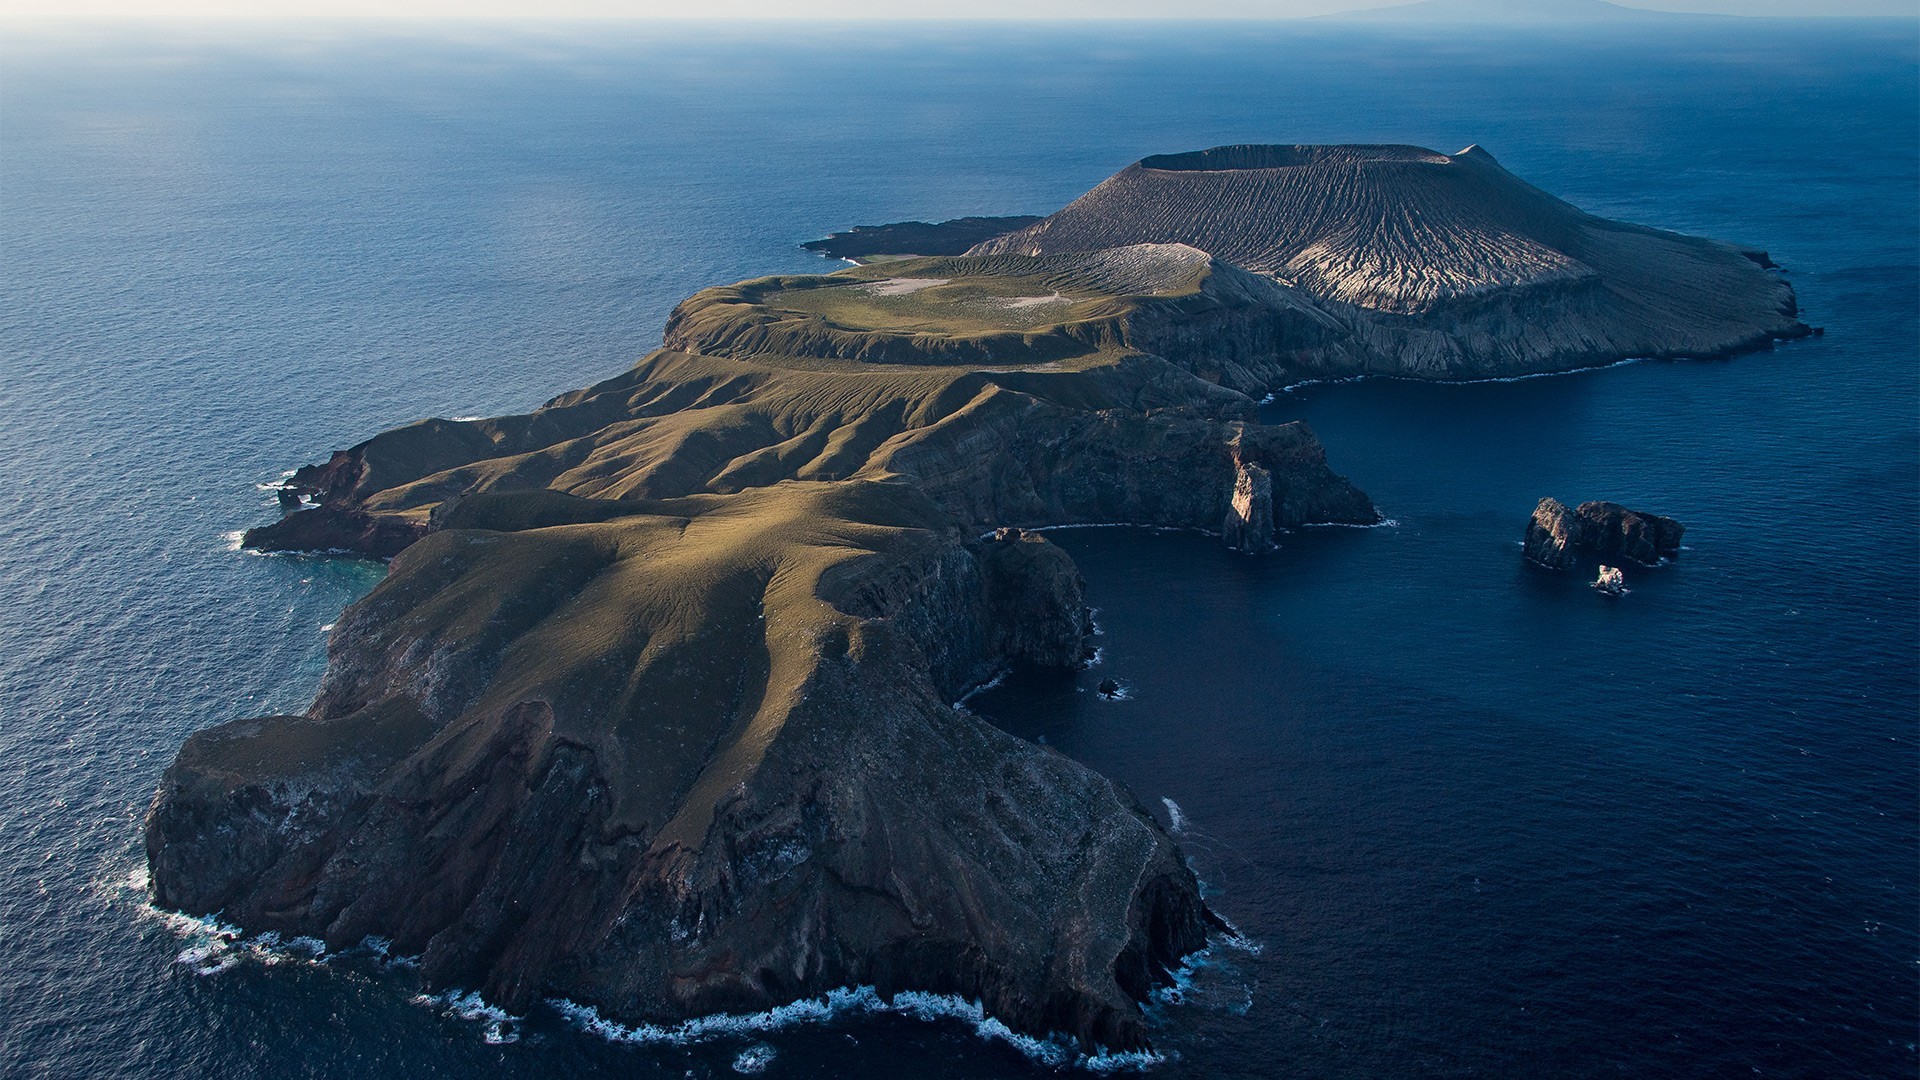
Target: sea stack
1249, 524
1602, 530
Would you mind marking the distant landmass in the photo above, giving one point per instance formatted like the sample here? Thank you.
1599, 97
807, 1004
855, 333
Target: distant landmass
952, 237
1511, 11
656, 711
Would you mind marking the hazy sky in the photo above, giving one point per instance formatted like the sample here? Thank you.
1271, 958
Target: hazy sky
1060, 9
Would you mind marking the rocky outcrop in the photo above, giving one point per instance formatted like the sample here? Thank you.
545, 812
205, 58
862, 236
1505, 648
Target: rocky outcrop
1249, 524
328, 529
1556, 537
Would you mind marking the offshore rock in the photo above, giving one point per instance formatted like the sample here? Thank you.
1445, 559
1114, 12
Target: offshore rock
1611, 531
1556, 536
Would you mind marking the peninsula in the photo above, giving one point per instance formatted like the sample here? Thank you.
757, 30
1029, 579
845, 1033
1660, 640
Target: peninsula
655, 709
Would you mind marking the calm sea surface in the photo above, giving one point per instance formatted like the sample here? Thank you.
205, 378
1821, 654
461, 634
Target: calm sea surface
1474, 819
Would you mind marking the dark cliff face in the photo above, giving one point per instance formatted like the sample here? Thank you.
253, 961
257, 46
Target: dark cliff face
689, 759
1605, 531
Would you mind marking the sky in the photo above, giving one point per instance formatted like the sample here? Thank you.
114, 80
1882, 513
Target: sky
831, 9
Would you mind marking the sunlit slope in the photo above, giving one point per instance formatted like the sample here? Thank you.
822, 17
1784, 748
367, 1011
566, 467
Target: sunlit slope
671, 757
989, 445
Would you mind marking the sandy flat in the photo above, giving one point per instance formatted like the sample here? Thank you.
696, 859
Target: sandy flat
903, 286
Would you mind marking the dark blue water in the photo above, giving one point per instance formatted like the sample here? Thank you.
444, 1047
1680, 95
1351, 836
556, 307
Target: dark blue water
1478, 821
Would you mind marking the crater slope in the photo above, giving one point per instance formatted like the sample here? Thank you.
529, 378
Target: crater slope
1439, 266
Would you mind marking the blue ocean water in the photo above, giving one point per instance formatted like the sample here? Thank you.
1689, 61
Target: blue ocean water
1472, 820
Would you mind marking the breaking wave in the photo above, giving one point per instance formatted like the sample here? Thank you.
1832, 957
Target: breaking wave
846, 1002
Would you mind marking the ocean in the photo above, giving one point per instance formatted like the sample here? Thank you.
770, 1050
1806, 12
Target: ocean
1470, 819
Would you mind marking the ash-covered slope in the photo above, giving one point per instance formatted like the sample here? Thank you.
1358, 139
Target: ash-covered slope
1439, 266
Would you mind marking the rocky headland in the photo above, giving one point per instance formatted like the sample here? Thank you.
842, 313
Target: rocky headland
654, 710
905, 238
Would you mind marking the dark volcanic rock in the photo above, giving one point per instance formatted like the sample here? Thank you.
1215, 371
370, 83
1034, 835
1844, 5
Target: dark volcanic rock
694, 756
1601, 530
327, 529
1552, 535
951, 237
1612, 531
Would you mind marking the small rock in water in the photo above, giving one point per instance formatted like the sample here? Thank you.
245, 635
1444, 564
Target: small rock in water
1612, 581
754, 1059
1109, 688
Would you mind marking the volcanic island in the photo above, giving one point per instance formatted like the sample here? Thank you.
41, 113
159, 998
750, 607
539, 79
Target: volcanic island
655, 709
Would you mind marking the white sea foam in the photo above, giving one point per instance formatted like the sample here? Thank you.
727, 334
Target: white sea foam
1176, 818
852, 1001
754, 1059
497, 1026
1383, 523
998, 678
1291, 387
1236, 939
1099, 655
210, 947
381, 949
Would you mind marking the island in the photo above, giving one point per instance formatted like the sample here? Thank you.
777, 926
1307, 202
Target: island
657, 708
908, 238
